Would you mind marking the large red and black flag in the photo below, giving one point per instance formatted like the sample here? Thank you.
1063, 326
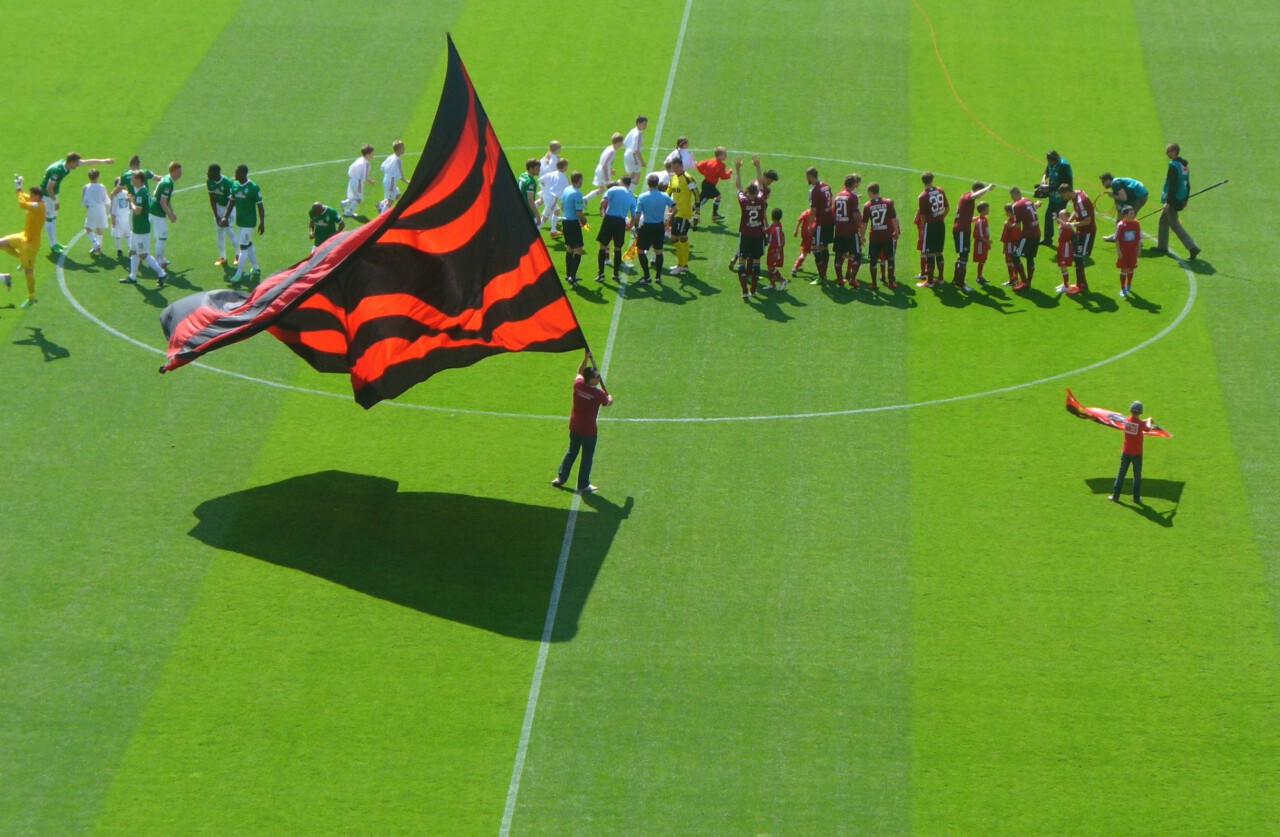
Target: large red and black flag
454, 272
1109, 417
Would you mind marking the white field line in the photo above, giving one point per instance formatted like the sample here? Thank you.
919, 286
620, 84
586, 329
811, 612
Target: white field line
544, 647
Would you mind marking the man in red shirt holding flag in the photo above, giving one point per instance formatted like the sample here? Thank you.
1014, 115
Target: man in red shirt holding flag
1134, 428
589, 395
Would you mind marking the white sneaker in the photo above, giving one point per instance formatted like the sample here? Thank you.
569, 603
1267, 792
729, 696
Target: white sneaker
557, 483
1008, 284
587, 489
1061, 289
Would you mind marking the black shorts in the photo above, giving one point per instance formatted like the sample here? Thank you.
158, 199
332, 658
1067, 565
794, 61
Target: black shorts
962, 239
709, 191
935, 237
878, 250
1027, 247
751, 247
572, 233
1083, 243
822, 235
612, 228
680, 227
847, 245
651, 236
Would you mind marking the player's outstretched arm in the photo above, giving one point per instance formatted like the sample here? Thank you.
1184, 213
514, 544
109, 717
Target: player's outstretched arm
97, 161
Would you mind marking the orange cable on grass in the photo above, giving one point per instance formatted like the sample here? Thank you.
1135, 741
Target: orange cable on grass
934, 35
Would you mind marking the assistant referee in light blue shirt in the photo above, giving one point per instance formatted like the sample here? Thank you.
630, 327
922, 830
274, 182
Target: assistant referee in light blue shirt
619, 205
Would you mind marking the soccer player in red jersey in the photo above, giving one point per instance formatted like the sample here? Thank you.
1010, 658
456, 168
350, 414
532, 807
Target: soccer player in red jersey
1066, 250
1011, 237
981, 238
1128, 245
764, 182
777, 240
881, 221
824, 222
803, 232
1086, 230
848, 231
1024, 210
961, 232
751, 229
933, 207
713, 170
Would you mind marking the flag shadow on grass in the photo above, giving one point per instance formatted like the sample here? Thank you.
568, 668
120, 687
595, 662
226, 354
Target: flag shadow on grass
479, 561
1168, 491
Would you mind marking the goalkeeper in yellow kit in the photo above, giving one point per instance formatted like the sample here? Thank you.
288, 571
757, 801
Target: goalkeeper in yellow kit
26, 244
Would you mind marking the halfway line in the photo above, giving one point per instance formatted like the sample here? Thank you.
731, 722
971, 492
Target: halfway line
535, 688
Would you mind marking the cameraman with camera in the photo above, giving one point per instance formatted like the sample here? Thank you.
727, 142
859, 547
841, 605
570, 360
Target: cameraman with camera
1056, 173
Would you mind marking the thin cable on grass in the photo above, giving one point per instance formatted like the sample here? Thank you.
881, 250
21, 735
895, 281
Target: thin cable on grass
954, 92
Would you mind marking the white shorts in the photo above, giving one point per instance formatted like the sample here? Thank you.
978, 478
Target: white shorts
231, 221
120, 223
160, 227
632, 162
140, 243
50, 212
601, 177
244, 236
391, 189
355, 189
95, 218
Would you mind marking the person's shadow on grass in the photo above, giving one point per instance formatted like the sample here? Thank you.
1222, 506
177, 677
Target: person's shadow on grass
1168, 492
478, 561
50, 349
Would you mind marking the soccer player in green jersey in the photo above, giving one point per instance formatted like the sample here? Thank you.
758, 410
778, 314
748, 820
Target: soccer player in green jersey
220, 187
124, 185
161, 210
249, 211
324, 224
528, 183
54, 175
140, 237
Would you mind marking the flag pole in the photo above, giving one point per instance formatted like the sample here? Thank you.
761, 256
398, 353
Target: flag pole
1189, 197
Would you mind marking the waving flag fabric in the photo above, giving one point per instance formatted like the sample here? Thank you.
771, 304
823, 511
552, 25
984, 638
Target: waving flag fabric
453, 273
1108, 417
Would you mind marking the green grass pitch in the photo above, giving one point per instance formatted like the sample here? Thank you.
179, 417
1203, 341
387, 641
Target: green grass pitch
233, 608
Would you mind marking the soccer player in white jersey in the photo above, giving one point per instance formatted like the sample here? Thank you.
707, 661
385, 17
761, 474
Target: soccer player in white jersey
549, 160
553, 186
604, 169
633, 153
121, 218
685, 155
392, 176
357, 176
95, 201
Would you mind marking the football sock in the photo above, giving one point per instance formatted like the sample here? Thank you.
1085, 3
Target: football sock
644, 263
51, 231
821, 258
940, 266
31, 285
755, 276
1080, 276
160, 245
657, 265
133, 265
981, 265
1031, 269
961, 269
854, 265
155, 265
715, 207
253, 255
617, 261
924, 264
892, 279
840, 268
601, 257
682, 253
568, 265
742, 278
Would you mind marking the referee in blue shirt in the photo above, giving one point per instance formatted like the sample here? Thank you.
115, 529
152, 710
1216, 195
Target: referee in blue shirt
653, 206
618, 205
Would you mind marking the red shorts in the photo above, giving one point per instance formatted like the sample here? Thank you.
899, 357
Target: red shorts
775, 257
980, 251
1128, 260
1066, 258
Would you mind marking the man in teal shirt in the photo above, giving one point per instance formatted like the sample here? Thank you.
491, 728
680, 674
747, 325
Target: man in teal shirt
1125, 190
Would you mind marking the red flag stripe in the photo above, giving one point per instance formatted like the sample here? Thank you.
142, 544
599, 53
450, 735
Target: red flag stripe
455, 234
547, 324
460, 164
